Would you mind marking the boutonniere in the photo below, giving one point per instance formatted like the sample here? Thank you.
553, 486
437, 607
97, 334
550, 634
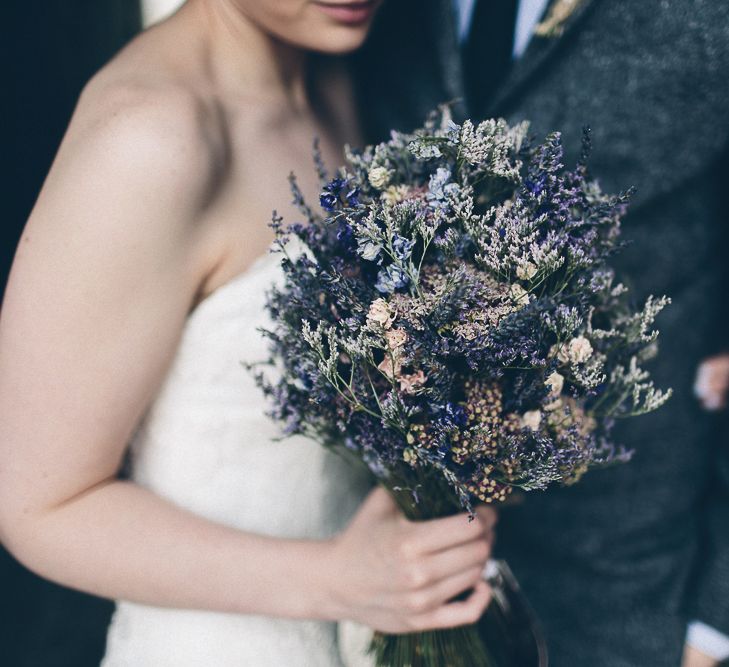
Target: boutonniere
559, 12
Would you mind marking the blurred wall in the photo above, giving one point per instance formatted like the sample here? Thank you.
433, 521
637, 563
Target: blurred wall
52, 48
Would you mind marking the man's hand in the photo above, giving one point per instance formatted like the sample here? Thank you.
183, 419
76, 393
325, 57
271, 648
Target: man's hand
712, 382
692, 657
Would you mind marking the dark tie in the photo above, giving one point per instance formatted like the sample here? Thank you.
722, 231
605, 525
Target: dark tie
487, 51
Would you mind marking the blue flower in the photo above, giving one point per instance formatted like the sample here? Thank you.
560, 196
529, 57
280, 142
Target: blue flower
440, 187
329, 198
402, 247
391, 278
437, 182
345, 234
452, 415
328, 201
353, 197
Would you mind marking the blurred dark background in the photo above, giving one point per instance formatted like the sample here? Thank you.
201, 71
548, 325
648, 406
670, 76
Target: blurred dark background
51, 49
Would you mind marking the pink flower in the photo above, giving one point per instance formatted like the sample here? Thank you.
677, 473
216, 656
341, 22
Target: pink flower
390, 366
409, 384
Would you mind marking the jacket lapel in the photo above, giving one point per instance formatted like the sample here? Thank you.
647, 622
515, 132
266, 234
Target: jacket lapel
542, 47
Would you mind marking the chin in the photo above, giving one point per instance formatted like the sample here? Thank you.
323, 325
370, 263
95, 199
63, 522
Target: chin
339, 26
339, 41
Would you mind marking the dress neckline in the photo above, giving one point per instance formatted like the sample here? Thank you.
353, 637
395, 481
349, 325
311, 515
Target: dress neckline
256, 265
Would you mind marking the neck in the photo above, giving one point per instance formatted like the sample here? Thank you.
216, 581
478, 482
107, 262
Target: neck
242, 57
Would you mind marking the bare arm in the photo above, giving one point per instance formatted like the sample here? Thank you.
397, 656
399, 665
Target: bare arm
106, 272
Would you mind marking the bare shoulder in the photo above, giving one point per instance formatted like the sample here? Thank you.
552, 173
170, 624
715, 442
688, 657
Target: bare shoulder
138, 167
127, 193
162, 131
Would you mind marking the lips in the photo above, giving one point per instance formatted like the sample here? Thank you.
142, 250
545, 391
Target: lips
349, 13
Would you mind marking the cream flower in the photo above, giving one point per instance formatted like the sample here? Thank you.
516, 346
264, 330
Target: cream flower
519, 294
578, 350
396, 338
531, 419
395, 193
380, 314
555, 382
409, 456
379, 177
526, 271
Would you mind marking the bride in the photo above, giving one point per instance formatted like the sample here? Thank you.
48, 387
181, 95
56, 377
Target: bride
136, 291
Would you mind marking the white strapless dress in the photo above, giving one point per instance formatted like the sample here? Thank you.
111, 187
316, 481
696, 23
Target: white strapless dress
206, 445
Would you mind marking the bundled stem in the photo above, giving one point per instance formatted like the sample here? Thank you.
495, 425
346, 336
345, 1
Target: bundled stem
463, 646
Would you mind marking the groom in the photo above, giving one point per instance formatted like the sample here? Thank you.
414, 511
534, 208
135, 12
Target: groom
630, 568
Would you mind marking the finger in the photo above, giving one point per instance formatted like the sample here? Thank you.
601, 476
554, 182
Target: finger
705, 389
438, 534
448, 562
711, 382
717, 384
487, 514
702, 381
453, 614
712, 403
447, 589
712, 400
379, 501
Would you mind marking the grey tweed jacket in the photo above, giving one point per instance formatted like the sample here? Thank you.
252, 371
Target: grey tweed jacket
617, 565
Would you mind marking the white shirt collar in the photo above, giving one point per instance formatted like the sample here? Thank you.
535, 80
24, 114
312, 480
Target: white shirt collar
529, 14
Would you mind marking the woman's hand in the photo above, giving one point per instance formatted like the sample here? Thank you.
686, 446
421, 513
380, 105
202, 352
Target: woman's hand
712, 382
692, 657
397, 575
